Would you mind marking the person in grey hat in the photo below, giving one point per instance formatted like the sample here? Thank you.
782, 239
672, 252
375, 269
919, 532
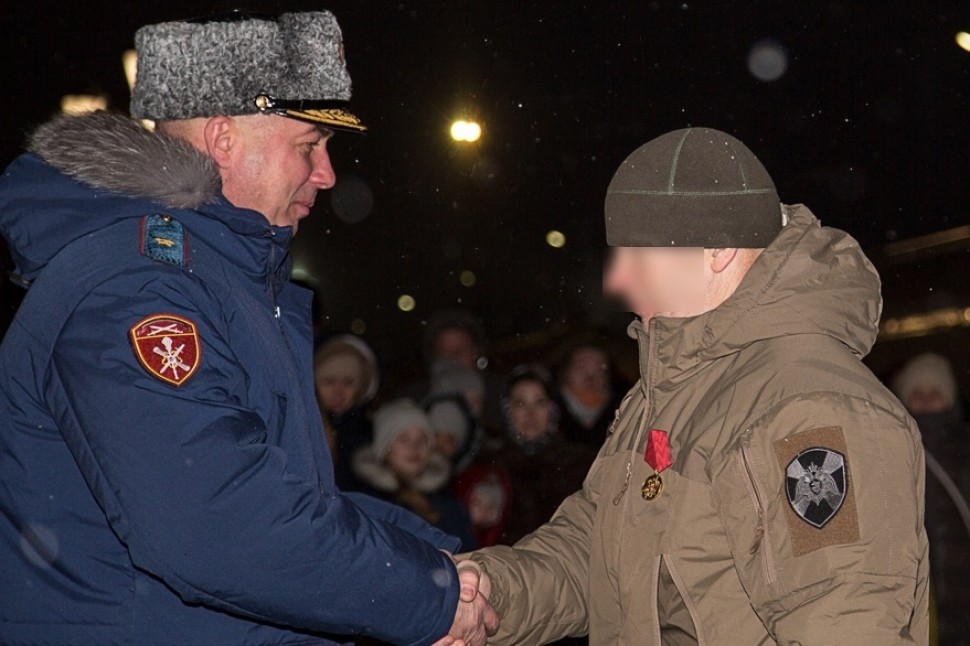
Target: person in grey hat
164, 474
927, 385
758, 485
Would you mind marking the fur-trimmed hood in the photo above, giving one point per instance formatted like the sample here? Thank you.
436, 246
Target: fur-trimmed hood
378, 475
113, 153
84, 173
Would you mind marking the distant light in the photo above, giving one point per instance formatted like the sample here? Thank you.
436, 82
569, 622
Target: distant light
467, 278
918, 325
473, 131
82, 103
767, 60
556, 239
129, 61
467, 131
358, 326
406, 303
963, 40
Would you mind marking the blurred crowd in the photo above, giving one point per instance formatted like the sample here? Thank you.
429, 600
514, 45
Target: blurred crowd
485, 457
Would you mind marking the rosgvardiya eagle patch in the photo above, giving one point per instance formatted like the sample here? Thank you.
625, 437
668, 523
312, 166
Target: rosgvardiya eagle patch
818, 488
815, 484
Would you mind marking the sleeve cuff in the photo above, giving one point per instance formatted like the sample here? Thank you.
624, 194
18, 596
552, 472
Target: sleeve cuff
449, 581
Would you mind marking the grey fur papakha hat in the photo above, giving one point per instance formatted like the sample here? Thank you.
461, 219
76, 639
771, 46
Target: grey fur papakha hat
240, 63
696, 187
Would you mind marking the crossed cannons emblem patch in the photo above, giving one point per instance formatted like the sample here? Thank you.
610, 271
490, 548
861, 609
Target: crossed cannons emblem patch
167, 346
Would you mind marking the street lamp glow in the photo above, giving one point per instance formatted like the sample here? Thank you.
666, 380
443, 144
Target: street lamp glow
467, 278
406, 303
75, 104
963, 40
129, 61
473, 131
467, 131
556, 239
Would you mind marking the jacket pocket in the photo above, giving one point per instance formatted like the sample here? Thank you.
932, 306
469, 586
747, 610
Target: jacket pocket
751, 465
744, 507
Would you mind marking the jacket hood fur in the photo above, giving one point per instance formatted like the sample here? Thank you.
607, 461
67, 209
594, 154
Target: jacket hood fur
82, 174
111, 152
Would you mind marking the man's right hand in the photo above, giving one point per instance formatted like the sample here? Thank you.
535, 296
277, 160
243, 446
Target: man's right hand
475, 619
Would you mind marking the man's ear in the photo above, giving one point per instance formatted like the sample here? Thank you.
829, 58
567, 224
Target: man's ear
721, 259
219, 135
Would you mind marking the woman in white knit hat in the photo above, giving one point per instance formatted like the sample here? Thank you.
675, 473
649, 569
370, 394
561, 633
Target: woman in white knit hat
402, 466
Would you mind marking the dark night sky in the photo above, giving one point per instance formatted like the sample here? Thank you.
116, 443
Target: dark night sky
869, 126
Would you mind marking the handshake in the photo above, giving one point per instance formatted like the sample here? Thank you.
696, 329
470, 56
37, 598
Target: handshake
475, 620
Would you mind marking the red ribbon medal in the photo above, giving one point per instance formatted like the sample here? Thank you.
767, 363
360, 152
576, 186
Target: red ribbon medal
657, 455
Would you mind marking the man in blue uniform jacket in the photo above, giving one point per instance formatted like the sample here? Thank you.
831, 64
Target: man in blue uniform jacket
164, 476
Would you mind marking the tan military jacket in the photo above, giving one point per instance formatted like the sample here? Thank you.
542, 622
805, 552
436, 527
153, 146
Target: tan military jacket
792, 512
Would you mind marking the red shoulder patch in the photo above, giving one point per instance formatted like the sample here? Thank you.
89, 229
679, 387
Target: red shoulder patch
167, 346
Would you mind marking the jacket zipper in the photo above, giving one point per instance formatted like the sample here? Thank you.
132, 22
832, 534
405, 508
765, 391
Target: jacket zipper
645, 418
629, 462
762, 537
277, 313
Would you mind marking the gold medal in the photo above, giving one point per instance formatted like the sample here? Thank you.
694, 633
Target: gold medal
652, 487
657, 455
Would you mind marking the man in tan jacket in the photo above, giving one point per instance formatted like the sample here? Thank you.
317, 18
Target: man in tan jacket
759, 484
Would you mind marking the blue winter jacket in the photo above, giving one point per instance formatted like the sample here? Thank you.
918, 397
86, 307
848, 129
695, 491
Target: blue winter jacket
138, 508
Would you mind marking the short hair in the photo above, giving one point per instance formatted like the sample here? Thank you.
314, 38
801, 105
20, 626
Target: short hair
453, 319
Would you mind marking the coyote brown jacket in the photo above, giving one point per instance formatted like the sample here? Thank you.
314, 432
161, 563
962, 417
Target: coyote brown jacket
792, 512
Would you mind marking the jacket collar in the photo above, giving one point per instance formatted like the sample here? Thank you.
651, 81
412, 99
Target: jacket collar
256, 247
811, 280
114, 154
96, 169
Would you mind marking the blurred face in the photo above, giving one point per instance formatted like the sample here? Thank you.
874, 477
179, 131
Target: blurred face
926, 401
483, 511
476, 402
447, 444
588, 371
459, 346
409, 453
277, 166
530, 410
658, 281
337, 393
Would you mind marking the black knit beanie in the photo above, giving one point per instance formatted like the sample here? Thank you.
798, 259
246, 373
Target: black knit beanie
696, 187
